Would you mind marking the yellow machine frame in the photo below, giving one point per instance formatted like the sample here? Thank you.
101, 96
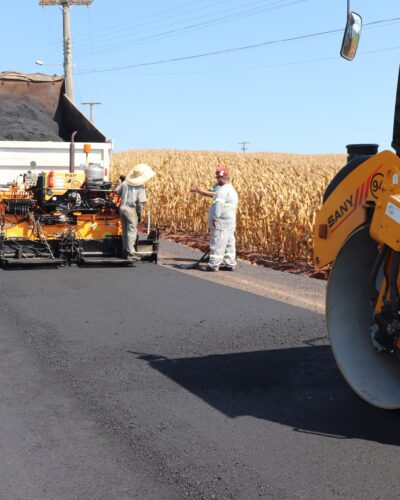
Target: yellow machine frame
373, 186
20, 228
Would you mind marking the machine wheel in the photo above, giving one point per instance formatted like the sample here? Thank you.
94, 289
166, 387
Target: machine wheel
374, 376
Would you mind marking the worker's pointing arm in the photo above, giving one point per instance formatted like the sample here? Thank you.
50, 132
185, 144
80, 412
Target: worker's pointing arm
202, 192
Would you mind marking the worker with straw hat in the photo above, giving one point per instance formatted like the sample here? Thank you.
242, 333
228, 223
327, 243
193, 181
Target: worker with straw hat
133, 197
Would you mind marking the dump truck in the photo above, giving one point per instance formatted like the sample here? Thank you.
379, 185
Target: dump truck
38, 125
57, 205
357, 243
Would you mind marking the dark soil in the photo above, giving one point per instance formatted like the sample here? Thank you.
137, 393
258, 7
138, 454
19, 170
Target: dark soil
26, 120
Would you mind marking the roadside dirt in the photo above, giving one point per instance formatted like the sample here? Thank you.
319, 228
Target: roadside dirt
295, 289
200, 243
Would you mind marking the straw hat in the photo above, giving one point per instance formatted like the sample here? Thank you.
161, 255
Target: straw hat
139, 175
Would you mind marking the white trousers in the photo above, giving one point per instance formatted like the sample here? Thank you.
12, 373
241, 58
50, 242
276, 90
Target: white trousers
222, 248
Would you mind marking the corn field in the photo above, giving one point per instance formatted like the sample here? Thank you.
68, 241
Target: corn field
278, 195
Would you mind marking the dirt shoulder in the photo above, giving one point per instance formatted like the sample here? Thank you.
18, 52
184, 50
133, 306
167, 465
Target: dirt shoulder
269, 283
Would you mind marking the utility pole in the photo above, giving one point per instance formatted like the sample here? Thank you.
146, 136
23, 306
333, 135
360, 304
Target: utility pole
91, 104
68, 65
67, 39
244, 147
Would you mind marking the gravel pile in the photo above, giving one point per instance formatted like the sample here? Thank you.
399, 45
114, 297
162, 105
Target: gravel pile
26, 120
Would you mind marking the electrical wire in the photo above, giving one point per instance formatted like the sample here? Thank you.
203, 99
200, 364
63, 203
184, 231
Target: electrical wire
50, 28
113, 28
223, 19
93, 53
230, 50
152, 19
254, 68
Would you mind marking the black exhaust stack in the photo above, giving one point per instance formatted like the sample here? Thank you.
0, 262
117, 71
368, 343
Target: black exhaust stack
72, 153
356, 155
361, 152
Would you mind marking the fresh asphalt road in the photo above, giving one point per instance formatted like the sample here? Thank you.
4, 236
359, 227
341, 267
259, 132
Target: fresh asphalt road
150, 383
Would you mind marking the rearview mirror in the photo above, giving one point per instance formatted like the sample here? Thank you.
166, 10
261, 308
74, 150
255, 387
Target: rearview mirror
351, 36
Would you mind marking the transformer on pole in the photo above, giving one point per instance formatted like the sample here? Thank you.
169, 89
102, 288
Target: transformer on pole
67, 45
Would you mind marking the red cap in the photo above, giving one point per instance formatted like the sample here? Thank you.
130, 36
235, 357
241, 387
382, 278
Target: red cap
221, 172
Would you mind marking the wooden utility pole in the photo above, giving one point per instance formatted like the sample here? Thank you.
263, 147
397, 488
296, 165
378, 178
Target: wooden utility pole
91, 104
67, 43
68, 64
244, 147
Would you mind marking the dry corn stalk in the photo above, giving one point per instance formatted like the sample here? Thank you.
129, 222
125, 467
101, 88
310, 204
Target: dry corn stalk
279, 194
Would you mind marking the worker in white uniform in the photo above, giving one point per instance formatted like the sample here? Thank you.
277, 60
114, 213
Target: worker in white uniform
222, 224
133, 197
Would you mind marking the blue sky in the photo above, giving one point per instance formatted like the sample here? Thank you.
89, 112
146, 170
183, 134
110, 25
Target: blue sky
295, 96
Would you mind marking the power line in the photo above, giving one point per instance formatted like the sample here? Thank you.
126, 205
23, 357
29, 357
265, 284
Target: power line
117, 27
213, 53
67, 40
234, 16
231, 50
224, 18
242, 13
153, 19
269, 66
93, 56
321, 59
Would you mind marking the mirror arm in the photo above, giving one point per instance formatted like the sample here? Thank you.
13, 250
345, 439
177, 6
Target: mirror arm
396, 121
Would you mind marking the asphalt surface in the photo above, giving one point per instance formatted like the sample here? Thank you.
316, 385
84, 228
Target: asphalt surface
152, 383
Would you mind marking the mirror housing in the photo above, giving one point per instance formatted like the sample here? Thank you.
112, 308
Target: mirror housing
351, 36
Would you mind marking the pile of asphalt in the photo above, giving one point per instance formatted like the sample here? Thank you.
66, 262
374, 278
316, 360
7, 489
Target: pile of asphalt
26, 120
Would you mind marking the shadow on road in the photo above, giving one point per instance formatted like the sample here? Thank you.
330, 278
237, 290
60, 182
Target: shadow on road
299, 387
181, 259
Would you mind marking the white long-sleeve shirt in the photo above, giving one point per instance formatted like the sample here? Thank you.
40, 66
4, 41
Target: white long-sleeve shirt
223, 208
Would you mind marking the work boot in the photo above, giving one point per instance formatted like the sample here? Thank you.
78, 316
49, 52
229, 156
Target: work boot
133, 257
209, 269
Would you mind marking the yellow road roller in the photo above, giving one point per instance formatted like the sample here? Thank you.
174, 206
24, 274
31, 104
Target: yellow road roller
357, 243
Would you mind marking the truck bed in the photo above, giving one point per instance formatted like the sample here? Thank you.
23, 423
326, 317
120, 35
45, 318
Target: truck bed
37, 120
